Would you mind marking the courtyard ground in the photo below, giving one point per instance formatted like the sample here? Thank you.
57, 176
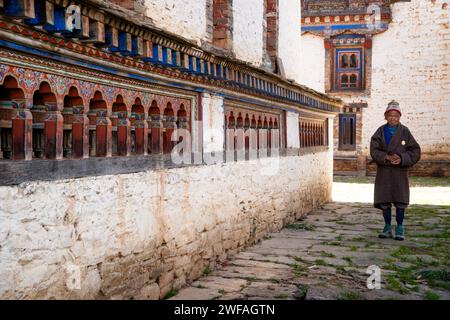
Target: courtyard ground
326, 255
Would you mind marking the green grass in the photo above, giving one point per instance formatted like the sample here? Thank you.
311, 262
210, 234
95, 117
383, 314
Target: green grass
302, 292
350, 295
207, 271
349, 260
320, 262
299, 269
359, 180
353, 248
421, 212
395, 285
402, 251
281, 296
171, 294
331, 243
436, 278
327, 255
430, 295
339, 238
301, 226
413, 181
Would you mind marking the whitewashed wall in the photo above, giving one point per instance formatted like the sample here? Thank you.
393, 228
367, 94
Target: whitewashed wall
140, 235
186, 18
312, 62
293, 130
289, 34
248, 18
213, 122
411, 65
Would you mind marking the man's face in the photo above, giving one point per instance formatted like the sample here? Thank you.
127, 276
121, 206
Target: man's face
393, 118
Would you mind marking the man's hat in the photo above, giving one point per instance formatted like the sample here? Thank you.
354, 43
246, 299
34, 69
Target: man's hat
393, 106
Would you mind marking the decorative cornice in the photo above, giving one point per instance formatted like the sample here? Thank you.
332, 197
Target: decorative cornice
105, 37
328, 18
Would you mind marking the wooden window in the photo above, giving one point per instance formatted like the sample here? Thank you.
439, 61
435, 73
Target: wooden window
313, 133
347, 131
348, 69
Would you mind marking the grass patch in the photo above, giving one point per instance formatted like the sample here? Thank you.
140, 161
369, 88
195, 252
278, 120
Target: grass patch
327, 255
300, 259
200, 286
430, 295
349, 260
369, 244
331, 243
353, 248
320, 262
413, 181
436, 278
339, 238
445, 234
299, 269
429, 182
207, 271
401, 252
302, 292
350, 295
395, 285
281, 296
301, 226
171, 293
358, 238
358, 180
420, 212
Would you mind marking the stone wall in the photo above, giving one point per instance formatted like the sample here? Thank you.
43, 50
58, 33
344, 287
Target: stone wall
140, 235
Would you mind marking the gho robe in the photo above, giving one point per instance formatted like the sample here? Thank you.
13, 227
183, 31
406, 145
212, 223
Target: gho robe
391, 183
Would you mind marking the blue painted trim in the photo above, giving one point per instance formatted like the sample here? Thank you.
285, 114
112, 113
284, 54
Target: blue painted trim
13, 8
59, 19
40, 15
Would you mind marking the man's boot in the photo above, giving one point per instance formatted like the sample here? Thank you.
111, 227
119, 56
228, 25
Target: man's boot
386, 233
399, 233
387, 215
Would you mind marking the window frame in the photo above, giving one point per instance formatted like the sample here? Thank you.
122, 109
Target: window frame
339, 71
345, 133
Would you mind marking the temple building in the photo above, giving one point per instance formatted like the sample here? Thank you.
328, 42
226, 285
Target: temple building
96, 97
368, 53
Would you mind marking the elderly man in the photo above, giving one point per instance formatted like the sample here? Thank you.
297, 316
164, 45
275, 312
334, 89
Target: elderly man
394, 150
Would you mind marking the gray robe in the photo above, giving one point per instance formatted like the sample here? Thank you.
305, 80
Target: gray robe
391, 183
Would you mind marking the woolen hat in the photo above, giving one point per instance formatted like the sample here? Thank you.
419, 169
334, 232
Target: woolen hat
393, 106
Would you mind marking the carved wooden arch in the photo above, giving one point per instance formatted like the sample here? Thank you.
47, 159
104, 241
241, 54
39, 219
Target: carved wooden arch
119, 105
16, 86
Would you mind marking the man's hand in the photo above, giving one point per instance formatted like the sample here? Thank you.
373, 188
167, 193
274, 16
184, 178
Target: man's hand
394, 159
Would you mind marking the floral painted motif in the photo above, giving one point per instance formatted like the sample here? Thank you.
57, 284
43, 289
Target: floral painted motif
29, 81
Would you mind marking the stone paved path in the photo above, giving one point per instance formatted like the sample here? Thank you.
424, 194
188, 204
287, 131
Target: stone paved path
326, 255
